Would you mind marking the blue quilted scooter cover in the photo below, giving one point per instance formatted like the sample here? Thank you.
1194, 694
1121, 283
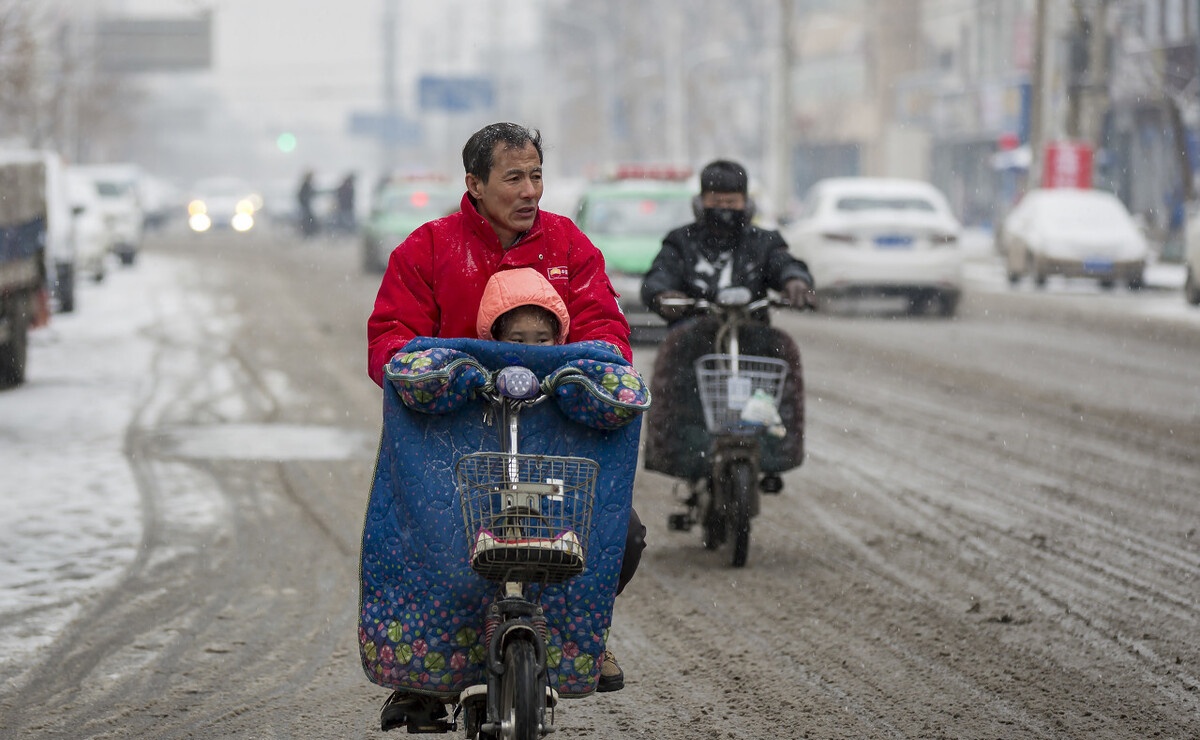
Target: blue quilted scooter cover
422, 607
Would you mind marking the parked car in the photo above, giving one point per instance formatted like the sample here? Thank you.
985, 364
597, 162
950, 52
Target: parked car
399, 206
119, 206
627, 218
218, 203
1075, 233
865, 236
1191, 284
64, 257
91, 235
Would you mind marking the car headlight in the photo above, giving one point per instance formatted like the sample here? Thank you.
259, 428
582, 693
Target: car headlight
242, 222
199, 222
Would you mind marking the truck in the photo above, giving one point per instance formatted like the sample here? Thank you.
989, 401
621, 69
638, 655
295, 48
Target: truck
23, 283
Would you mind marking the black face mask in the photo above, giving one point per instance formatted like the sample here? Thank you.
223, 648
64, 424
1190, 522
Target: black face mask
725, 219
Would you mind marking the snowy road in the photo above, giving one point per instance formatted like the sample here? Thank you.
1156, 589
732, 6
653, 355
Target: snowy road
994, 535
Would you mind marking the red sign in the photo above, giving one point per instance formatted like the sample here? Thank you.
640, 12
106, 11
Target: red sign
1067, 164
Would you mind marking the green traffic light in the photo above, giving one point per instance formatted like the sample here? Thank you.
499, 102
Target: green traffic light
286, 142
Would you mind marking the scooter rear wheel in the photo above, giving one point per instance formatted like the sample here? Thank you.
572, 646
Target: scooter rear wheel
713, 515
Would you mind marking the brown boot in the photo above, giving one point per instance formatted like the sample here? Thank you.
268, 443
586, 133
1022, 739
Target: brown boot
612, 678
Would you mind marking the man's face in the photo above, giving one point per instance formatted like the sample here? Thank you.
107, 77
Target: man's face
736, 201
509, 198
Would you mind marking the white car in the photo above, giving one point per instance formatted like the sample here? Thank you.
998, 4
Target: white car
867, 236
1191, 285
1073, 232
91, 236
223, 203
120, 206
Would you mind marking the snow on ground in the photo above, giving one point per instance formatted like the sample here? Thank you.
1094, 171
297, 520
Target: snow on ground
70, 512
70, 523
70, 507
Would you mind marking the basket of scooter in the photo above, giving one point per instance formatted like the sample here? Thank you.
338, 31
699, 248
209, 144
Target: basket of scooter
740, 394
527, 517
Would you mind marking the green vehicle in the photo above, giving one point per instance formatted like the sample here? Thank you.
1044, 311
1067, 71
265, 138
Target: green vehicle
627, 220
397, 209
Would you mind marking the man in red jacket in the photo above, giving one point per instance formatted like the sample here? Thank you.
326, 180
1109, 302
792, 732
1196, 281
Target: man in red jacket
435, 278
435, 281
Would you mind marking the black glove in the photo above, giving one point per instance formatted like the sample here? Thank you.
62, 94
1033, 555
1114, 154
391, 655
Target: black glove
800, 294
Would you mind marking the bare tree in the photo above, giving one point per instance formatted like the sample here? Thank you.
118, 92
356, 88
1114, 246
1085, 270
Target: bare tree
51, 93
18, 69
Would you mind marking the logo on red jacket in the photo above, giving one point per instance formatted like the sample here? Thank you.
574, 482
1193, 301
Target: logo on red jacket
557, 273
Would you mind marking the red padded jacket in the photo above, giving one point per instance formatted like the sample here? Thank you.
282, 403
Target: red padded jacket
436, 277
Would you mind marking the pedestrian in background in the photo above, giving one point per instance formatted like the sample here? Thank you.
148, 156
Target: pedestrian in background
304, 204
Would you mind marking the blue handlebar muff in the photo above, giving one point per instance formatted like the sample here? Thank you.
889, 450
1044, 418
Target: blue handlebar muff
517, 383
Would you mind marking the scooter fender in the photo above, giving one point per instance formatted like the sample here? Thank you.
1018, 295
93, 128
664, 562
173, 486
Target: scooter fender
515, 630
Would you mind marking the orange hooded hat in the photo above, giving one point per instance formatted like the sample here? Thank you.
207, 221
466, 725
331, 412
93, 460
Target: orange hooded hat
522, 286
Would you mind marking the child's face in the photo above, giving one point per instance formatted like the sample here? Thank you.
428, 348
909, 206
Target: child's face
527, 327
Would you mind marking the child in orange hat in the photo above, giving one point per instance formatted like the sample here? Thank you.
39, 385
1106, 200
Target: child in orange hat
521, 306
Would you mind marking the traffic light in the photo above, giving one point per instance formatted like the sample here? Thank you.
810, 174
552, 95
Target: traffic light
286, 142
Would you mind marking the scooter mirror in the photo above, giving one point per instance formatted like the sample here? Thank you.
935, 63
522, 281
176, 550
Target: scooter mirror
518, 383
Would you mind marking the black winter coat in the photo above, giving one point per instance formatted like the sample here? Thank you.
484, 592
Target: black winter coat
697, 262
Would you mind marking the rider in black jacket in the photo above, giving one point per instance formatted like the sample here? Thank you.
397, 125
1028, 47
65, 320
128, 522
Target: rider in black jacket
720, 249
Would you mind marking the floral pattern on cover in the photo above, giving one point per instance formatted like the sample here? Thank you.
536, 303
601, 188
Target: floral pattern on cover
601, 395
421, 605
435, 381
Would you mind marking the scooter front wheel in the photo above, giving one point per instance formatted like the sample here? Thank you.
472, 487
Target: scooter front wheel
522, 698
741, 500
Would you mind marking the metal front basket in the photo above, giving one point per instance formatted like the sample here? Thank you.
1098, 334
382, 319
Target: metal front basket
527, 517
726, 384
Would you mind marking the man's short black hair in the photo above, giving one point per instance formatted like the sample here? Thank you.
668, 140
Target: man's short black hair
724, 176
477, 154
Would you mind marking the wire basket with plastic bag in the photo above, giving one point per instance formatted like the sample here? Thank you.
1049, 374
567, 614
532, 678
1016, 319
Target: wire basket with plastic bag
741, 395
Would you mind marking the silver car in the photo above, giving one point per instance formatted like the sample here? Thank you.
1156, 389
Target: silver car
1075, 233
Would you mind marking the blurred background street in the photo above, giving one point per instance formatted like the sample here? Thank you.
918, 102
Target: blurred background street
994, 533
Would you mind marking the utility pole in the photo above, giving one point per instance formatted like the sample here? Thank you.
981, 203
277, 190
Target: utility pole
779, 153
1189, 185
391, 112
1037, 93
1087, 71
1078, 68
675, 84
1099, 73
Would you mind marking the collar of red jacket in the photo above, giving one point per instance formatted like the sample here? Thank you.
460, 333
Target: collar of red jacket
484, 230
